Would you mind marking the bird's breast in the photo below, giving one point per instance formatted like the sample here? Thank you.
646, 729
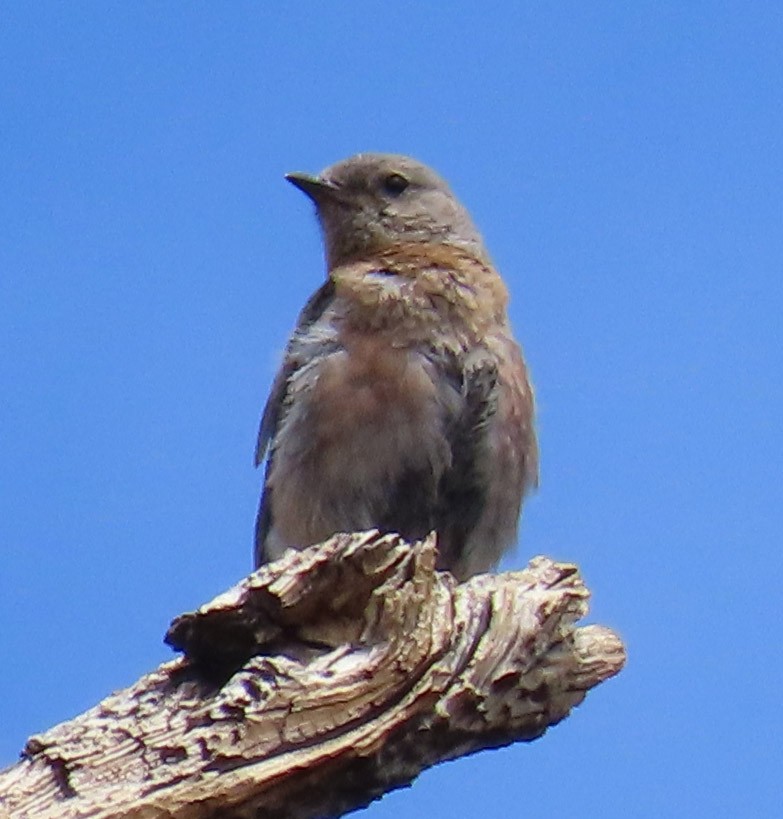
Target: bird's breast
371, 415
374, 394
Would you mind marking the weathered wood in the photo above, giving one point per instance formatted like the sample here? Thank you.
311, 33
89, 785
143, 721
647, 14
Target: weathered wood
320, 682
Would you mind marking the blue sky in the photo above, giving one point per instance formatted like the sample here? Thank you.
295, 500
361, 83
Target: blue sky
625, 163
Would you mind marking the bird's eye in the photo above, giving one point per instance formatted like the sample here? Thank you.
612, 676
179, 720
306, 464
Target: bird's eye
395, 184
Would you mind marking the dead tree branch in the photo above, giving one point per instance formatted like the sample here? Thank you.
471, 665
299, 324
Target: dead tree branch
321, 682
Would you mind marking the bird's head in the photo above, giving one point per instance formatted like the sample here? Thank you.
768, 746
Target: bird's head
371, 202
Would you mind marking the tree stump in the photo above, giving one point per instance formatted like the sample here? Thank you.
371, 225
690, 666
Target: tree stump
320, 682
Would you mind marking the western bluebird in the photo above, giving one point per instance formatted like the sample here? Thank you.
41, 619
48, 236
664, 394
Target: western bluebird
403, 401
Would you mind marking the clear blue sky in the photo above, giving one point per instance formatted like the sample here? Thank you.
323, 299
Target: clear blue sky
625, 162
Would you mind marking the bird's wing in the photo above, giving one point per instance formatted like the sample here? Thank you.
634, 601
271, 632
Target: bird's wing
274, 409
494, 461
462, 489
302, 348
516, 412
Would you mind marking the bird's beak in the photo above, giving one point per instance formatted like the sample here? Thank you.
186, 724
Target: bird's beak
315, 187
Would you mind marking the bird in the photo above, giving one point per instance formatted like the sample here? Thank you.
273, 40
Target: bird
403, 401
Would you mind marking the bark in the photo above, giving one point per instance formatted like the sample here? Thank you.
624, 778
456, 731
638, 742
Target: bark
319, 683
